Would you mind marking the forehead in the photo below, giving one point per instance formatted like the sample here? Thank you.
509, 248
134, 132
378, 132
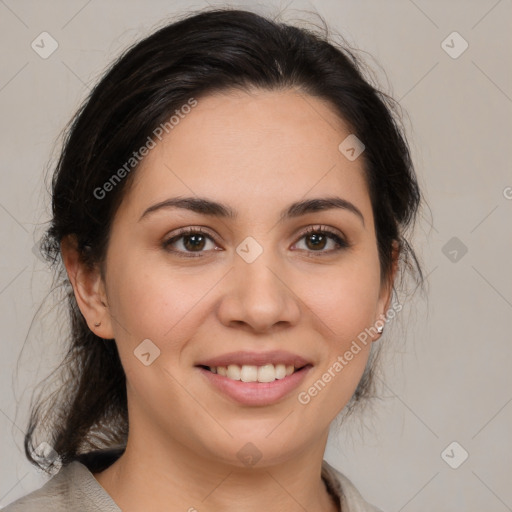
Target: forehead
252, 150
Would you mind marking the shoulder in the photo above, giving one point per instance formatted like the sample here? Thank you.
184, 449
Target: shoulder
72, 488
54, 494
350, 497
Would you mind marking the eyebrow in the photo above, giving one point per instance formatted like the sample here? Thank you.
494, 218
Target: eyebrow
205, 206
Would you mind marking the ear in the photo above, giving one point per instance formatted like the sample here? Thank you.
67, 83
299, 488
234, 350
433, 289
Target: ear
387, 286
89, 289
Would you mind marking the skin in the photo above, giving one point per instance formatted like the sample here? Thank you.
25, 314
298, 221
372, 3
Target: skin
257, 152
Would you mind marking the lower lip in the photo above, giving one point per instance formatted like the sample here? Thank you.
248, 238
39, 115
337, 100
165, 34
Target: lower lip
256, 393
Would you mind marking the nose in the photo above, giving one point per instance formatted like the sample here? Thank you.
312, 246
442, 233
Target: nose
258, 297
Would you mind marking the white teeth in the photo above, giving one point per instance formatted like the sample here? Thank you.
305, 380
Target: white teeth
252, 373
233, 372
280, 371
249, 373
267, 373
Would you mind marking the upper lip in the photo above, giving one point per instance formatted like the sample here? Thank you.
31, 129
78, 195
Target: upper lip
256, 359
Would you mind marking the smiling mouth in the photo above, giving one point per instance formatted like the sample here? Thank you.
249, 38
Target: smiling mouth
251, 373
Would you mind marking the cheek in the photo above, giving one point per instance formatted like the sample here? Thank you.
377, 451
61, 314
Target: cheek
345, 299
153, 301
345, 306
162, 307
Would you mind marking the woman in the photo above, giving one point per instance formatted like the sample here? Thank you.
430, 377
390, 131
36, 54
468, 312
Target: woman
230, 208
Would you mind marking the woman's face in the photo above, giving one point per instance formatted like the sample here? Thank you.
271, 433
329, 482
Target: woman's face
254, 288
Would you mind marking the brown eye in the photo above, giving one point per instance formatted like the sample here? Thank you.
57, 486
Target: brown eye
317, 239
189, 241
194, 242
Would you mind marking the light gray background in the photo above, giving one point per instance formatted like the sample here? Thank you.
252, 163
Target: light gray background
448, 377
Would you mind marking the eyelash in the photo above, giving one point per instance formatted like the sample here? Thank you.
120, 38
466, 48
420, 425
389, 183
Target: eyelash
321, 230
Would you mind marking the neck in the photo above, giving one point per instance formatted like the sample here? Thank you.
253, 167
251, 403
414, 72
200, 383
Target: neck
149, 477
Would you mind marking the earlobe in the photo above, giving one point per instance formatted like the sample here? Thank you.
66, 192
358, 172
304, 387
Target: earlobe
89, 289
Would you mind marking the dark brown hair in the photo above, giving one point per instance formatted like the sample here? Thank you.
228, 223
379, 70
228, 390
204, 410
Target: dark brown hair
200, 54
